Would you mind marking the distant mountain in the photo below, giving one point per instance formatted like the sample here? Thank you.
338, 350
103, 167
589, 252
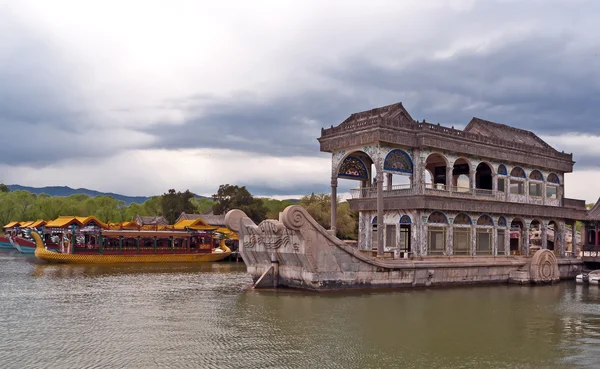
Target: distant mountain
67, 191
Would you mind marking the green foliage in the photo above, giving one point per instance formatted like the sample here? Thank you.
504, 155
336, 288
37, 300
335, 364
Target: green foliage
234, 197
4, 188
174, 203
202, 205
319, 207
275, 207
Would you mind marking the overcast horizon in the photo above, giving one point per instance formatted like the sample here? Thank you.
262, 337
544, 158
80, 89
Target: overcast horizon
136, 98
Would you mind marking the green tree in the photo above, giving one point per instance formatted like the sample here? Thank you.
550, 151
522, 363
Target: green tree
4, 188
7, 207
173, 203
276, 206
234, 197
319, 207
153, 206
202, 205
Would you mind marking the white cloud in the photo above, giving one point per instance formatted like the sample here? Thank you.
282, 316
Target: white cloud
151, 172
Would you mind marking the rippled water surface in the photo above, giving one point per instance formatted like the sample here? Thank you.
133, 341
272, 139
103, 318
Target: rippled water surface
204, 316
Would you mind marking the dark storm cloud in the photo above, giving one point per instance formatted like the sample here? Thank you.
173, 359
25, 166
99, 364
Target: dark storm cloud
535, 83
40, 112
283, 126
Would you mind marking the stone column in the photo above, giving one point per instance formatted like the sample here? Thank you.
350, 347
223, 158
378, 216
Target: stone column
574, 242
473, 241
494, 182
418, 171
449, 170
472, 182
380, 230
449, 240
389, 181
560, 240
333, 205
422, 243
507, 241
544, 229
495, 241
525, 245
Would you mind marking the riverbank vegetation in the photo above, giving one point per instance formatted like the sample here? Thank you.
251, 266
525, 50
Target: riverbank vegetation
23, 205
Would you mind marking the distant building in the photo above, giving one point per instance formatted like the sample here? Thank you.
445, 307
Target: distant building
208, 217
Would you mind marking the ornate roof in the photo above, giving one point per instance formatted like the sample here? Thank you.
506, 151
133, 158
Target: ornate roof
214, 219
503, 132
149, 220
208, 217
393, 111
594, 213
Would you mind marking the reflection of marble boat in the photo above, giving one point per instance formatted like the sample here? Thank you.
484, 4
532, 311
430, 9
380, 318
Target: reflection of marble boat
180, 249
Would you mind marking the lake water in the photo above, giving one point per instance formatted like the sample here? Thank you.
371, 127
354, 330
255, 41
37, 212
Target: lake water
204, 316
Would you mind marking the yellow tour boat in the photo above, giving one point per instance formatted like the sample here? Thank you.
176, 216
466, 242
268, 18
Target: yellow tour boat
194, 244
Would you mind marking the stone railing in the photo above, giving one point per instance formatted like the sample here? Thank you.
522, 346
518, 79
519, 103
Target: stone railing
456, 192
371, 192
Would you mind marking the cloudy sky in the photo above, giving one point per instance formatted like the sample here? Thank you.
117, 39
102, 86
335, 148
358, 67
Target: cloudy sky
138, 97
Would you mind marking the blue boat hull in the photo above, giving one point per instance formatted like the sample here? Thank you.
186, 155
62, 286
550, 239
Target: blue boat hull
6, 246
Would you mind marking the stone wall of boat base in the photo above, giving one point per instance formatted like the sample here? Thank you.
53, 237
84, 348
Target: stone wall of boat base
297, 252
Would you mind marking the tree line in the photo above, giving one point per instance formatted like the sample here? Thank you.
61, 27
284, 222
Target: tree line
23, 206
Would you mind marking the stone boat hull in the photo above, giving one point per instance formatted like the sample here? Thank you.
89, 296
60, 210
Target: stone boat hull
297, 252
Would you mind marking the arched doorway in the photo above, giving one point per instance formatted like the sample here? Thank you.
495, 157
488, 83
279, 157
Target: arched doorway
461, 179
535, 235
517, 227
436, 165
405, 249
484, 179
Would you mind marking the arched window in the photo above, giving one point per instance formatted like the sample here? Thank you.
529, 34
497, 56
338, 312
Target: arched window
552, 185
437, 218
436, 235
553, 178
500, 178
463, 219
405, 219
462, 234
518, 172
353, 168
483, 238
502, 222
517, 181
536, 175
398, 161
485, 220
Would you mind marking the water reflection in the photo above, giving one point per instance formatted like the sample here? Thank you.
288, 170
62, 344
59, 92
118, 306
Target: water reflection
204, 315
